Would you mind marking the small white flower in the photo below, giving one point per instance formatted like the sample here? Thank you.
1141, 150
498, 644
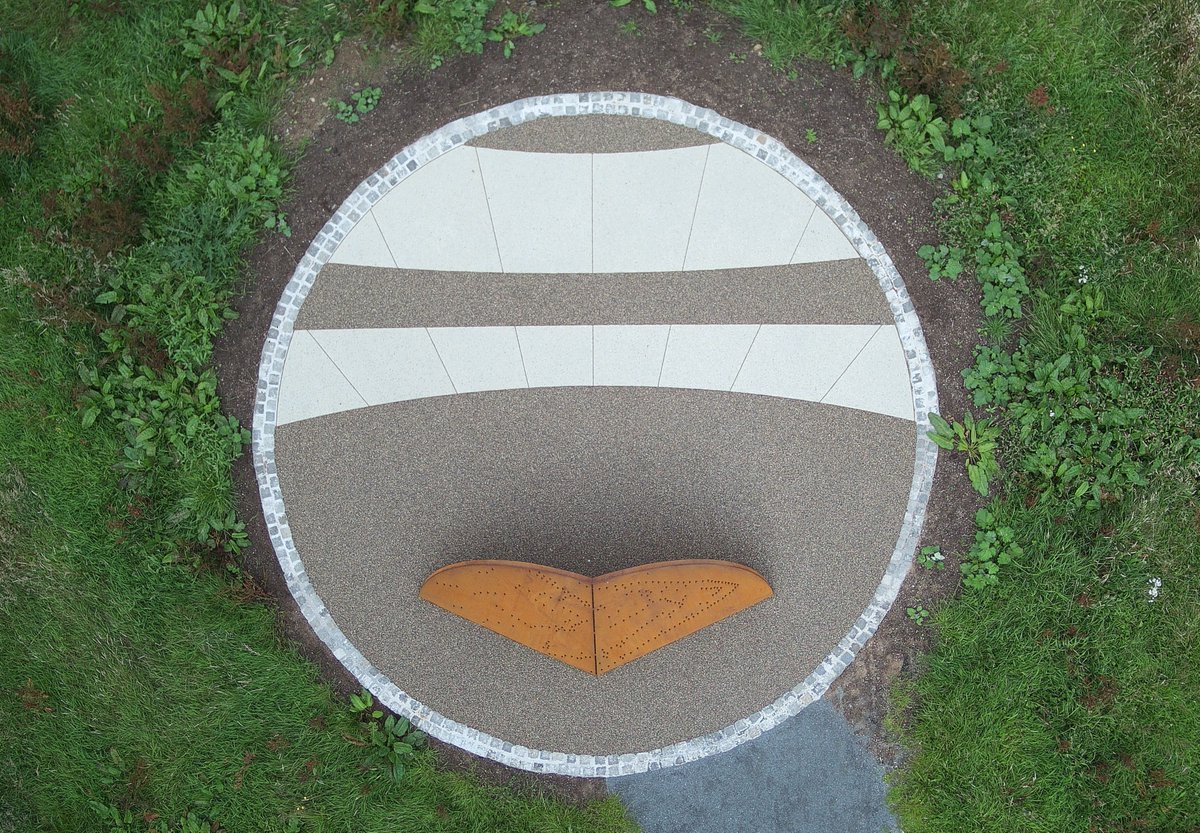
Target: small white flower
1155, 584
1052, 414
1083, 280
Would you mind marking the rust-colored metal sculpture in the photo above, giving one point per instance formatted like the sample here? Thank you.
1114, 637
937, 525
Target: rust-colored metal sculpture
546, 609
595, 624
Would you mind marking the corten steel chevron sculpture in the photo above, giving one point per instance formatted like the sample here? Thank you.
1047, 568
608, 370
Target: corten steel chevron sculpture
595, 624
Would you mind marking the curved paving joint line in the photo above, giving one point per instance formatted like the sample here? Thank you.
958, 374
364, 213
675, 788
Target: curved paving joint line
765, 149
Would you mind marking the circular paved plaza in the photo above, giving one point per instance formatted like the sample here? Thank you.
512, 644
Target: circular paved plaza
594, 332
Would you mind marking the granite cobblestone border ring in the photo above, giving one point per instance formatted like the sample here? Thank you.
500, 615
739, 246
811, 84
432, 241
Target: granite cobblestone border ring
269, 415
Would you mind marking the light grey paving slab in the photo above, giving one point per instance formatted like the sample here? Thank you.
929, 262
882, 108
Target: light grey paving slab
541, 206
312, 385
643, 207
705, 356
389, 365
364, 245
811, 774
748, 215
480, 358
437, 218
601, 133
858, 366
557, 356
878, 379
801, 362
823, 240
629, 354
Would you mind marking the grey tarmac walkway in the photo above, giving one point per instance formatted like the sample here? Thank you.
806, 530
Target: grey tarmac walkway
809, 775
594, 342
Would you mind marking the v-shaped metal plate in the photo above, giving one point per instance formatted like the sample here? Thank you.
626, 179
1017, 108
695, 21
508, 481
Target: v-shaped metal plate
595, 624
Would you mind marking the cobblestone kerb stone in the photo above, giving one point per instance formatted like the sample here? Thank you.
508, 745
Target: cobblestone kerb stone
770, 152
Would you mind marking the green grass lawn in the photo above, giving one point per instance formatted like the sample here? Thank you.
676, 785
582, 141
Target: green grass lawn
141, 691
141, 687
1062, 695
131, 686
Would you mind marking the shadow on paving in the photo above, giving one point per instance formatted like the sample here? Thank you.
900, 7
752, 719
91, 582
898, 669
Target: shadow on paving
812, 774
